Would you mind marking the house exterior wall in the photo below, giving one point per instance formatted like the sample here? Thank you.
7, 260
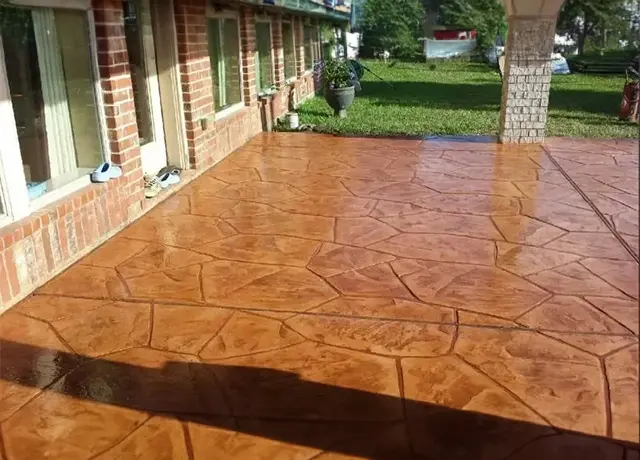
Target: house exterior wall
36, 248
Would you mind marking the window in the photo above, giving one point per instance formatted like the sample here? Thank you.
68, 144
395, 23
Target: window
264, 63
47, 72
311, 44
289, 47
224, 55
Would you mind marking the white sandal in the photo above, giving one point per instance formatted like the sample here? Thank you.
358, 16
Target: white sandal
105, 172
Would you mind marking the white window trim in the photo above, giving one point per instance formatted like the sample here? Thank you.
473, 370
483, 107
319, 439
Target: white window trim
63, 4
263, 19
81, 180
227, 111
13, 185
229, 14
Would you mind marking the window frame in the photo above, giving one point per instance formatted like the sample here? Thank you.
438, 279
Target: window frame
14, 195
318, 47
212, 13
263, 19
13, 183
314, 45
295, 58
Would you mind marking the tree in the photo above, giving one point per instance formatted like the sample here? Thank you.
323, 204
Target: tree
588, 19
394, 26
487, 17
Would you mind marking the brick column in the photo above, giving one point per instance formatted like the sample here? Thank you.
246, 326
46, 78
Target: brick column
278, 50
117, 93
197, 84
248, 43
298, 31
527, 79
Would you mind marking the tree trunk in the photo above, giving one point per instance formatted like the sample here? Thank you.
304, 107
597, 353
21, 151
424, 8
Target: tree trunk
581, 40
582, 37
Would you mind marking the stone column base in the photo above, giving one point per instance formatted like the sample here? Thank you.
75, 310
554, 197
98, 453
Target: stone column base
527, 79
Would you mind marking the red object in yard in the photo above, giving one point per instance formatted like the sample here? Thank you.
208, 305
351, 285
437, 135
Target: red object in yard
630, 108
454, 34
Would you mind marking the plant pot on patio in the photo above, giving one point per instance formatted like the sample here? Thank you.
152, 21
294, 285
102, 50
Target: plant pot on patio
340, 99
339, 91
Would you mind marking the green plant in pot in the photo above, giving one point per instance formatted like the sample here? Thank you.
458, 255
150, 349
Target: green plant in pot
339, 91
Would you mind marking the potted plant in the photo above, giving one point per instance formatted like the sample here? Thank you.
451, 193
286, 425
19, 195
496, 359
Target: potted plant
339, 90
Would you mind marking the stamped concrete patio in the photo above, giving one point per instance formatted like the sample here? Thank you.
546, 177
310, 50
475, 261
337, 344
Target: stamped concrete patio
327, 298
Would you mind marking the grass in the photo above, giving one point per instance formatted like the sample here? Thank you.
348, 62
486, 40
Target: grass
607, 56
464, 98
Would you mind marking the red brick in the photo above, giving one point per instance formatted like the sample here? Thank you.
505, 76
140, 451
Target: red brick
64, 241
48, 250
87, 234
77, 202
18, 234
118, 97
12, 273
102, 15
5, 288
8, 240
79, 232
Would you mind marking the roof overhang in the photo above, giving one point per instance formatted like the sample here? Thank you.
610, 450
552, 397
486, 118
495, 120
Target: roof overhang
533, 8
329, 9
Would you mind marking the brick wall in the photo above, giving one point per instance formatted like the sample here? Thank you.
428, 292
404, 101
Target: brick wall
527, 80
235, 130
303, 88
278, 50
248, 47
117, 94
35, 249
197, 86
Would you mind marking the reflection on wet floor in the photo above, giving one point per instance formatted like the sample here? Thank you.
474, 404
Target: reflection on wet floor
314, 297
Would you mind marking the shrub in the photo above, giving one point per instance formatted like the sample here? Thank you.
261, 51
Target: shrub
336, 73
393, 26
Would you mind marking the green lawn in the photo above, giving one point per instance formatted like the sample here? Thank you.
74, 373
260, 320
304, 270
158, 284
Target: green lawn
464, 98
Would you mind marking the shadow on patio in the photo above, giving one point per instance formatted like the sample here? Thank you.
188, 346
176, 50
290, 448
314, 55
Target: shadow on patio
160, 408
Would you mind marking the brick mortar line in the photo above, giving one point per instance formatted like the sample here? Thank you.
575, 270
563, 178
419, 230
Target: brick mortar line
595, 209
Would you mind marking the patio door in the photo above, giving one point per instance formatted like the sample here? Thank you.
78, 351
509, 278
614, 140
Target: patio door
139, 34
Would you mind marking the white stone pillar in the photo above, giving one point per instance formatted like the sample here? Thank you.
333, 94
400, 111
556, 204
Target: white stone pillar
527, 72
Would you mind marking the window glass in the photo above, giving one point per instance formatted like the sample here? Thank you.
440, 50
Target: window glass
50, 76
264, 68
288, 43
231, 47
309, 43
133, 29
224, 55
